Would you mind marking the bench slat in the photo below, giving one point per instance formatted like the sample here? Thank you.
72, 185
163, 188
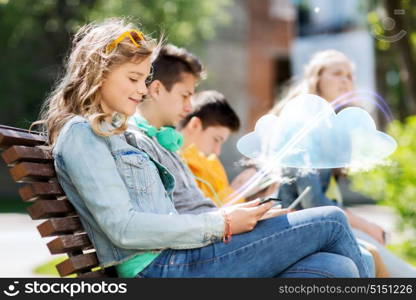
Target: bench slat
56, 226
36, 190
69, 243
30, 163
96, 274
24, 153
43, 209
29, 172
10, 136
77, 263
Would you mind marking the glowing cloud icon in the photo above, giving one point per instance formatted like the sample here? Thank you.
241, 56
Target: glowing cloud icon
11, 292
309, 134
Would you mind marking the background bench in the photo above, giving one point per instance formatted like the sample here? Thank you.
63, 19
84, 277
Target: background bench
33, 166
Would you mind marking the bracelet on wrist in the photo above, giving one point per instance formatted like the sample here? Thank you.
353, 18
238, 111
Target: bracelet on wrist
227, 231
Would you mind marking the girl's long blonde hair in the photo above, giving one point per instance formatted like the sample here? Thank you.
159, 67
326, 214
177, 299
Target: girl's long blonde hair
309, 82
77, 91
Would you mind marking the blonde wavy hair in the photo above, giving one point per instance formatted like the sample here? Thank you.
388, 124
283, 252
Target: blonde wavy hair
77, 91
309, 82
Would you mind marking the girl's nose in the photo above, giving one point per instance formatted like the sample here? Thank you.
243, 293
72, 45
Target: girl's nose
142, 90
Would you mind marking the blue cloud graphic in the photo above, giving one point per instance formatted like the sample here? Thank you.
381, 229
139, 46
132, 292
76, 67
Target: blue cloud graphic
309, 134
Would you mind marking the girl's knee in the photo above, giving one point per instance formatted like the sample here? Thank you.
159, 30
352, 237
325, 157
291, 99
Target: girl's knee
339, 266
329, 265
335, 213
347, 268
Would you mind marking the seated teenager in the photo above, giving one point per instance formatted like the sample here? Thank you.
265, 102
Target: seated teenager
123, 196
204, 130
329, 74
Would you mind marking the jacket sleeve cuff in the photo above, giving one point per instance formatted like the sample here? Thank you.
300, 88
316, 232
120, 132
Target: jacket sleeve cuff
215, 226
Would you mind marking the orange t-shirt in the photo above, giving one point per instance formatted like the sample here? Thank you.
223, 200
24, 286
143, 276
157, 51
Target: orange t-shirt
209, 174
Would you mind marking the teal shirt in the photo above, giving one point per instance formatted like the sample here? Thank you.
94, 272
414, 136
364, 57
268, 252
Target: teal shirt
131, 267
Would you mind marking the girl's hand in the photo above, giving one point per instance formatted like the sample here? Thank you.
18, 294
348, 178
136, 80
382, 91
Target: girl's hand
373, 230
275, 212
271, 213
242, 178
376, 232
245, 216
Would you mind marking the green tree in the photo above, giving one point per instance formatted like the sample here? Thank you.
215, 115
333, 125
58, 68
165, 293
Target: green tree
393, 26
394, 184
184, 22
34, 36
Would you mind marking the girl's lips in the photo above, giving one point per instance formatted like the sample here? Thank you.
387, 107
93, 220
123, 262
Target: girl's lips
135, 100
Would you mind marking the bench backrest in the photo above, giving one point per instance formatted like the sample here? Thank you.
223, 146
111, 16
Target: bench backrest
32, 165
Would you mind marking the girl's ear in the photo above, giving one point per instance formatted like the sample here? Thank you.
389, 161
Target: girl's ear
155, 89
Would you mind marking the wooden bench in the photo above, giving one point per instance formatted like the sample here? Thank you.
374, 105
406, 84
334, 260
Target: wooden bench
30, 164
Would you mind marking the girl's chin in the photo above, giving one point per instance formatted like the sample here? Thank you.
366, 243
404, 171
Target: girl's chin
129, 112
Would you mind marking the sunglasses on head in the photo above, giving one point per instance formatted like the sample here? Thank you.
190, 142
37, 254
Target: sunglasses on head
134, 36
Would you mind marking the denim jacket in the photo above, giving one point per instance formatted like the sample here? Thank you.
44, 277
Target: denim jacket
187, 197
124, 198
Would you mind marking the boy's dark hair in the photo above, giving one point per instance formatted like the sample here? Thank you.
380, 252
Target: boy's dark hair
172, 62
212, 108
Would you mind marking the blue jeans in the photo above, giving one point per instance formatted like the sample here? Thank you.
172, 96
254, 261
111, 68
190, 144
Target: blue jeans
314, 242
368, 258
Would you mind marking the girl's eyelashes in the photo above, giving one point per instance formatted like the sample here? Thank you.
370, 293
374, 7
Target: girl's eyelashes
133, 79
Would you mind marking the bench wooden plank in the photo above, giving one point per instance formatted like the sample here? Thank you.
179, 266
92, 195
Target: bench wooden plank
57, 226
83, 262
69, 243
96, 274
10, 136
23, 153
30, 163
43, 209
36, 190
29, 172
18, 129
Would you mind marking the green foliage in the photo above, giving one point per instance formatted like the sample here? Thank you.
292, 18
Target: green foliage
34, 37
377, 15
184, 22
395, 183
12, 204
388, 19
405, 250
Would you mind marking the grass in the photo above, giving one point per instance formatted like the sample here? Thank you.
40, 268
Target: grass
49, 269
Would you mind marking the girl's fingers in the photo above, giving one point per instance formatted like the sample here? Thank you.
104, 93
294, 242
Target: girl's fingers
275, 212
251, 203
260, 210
